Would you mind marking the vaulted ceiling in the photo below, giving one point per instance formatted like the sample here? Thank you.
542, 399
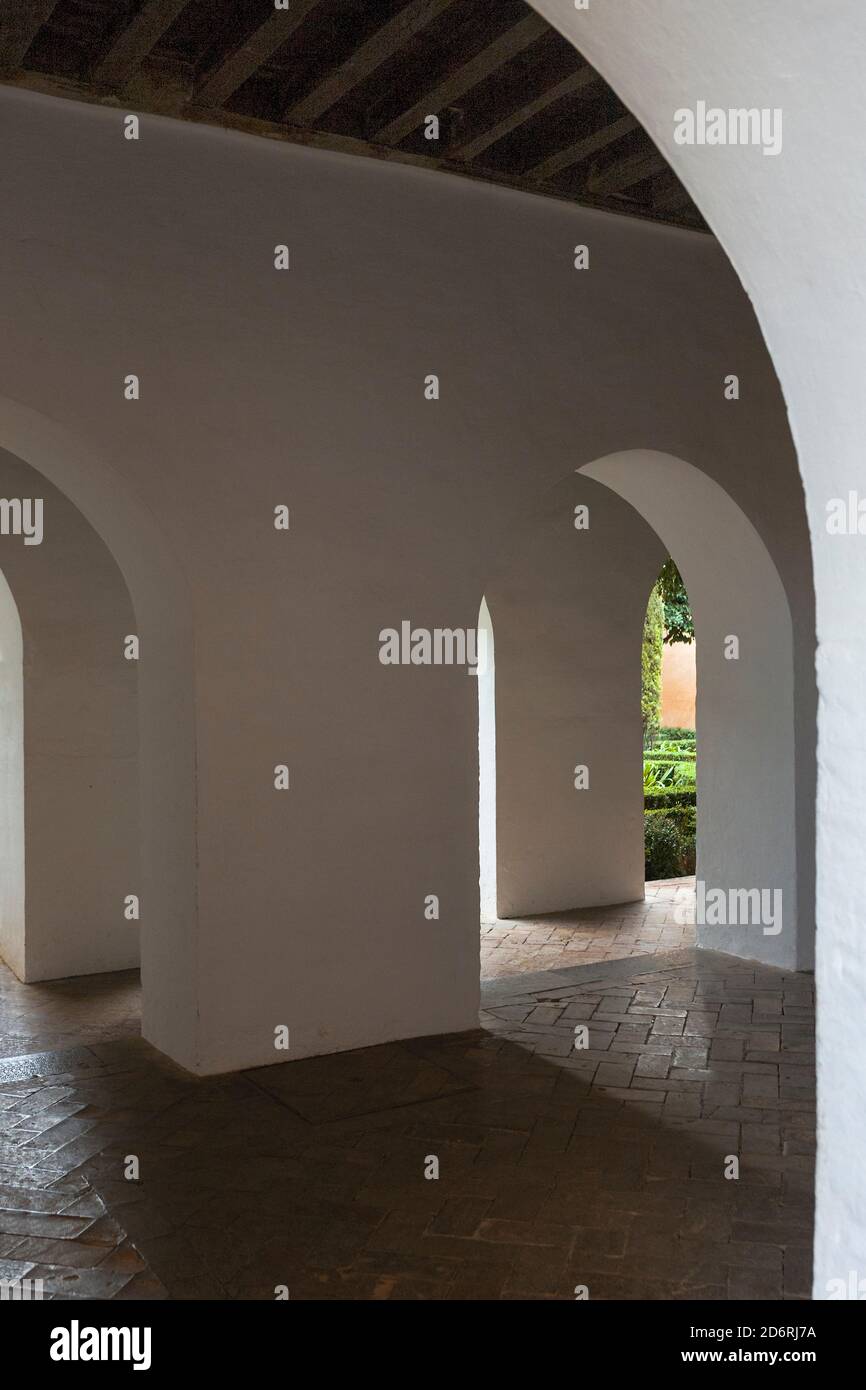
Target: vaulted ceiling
515, 103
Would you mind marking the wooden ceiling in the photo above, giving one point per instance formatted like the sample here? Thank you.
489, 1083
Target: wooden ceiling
516, 104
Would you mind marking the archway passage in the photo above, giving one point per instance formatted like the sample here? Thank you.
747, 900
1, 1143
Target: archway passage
12, 885
747, 821
569, 797
107, 573
70, 842
668, 698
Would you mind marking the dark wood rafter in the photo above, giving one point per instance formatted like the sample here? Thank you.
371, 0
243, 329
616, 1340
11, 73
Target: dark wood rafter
237, 66
20, 22
136, 41
365, 60
625, 173
578, 150
494, 56
360, 76
569, 86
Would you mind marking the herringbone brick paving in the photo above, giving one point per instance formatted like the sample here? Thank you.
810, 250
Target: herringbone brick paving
558, 1167
663, 921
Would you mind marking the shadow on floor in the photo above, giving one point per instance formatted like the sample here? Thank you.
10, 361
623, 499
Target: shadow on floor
558, 1167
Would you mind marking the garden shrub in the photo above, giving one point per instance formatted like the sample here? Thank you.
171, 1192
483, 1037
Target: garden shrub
654, 801
682, 819
662, 848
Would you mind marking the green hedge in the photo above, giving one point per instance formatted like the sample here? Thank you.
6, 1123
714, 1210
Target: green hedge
683, 817
655, 801
662, 848
669, 842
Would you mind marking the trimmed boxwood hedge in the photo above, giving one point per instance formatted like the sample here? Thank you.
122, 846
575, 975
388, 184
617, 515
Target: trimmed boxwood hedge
663, 854
669, 842
656, 801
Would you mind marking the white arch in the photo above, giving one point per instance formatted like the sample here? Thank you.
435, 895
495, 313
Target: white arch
159, 592
747, 783
660, 55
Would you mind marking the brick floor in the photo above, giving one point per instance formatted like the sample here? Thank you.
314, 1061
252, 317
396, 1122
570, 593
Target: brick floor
662, 922
67, 1013
559, 1167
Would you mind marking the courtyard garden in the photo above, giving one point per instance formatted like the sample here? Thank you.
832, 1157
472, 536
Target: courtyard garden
669, 758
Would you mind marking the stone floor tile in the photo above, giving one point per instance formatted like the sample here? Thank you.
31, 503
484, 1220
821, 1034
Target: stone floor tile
311, 1174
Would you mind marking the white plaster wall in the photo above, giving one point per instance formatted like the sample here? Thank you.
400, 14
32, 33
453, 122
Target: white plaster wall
306, 388
165, 708
569, 609
80, 798
800, 260
11, 783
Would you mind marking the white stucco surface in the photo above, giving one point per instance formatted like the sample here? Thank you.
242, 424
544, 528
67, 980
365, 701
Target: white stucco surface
260, 647
78, 799
568, 606
747, 832
799, 258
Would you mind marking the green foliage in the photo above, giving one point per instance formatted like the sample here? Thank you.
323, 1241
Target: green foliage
666, 774
662, 848
679, 625
682, 796
651, 665
669, 842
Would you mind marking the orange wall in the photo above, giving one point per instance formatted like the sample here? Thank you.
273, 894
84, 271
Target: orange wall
678, 685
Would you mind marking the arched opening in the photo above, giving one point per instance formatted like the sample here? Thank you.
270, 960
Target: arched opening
69, 732
566, 753
747, 826
670, 761
11, 783
129, 583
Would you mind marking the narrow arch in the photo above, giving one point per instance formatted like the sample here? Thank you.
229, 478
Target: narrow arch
79, 727
747, 824
569, 613
167, 747
487, 764
12, 887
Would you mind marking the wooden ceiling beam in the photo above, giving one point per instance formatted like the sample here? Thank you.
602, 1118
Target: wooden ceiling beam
232, 71
464, 78
581, 149
19, 26
569, 86
624, 173
371, 55
136, 41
